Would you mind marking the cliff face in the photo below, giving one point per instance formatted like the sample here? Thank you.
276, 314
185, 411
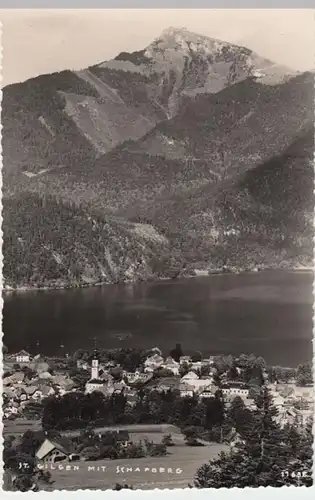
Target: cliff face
190, 153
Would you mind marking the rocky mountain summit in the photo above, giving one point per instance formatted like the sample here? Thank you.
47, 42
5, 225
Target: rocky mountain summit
174, 151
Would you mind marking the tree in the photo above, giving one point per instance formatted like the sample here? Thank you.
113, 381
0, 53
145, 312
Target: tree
162, 373
183, 369
258, 460
20, 472
167, 440
78, 355
196, 356
236, 413
232, 373
177, 352
304, 374
30, 442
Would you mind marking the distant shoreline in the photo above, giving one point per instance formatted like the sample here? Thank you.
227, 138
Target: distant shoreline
198, 274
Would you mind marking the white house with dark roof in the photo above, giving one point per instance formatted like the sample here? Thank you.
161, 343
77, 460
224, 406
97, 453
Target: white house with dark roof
52, 451
208, 392
22, 356
235, 389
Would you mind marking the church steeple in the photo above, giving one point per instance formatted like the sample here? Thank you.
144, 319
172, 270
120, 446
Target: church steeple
95, 365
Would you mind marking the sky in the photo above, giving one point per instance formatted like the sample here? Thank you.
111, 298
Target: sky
43, 41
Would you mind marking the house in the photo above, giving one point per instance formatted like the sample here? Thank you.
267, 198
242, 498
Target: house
11, 410
119, 387
186, 390
15, 378
208, 392
30, 390
95, 385
20, 394
153, 362
172, 365
189, 376
47, 391
199, 384
8, 394
184, 359
33, 392
22, 357
138, 377
37, 394
235, 389
52, 451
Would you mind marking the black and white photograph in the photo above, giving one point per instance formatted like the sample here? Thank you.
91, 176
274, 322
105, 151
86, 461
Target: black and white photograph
158, 226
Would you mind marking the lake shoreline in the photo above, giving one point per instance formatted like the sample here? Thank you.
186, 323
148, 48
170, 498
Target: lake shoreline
198, 274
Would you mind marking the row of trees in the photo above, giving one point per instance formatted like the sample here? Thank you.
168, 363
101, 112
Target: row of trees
76, 410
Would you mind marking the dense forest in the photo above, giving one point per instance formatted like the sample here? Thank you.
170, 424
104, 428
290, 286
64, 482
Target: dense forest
48, 242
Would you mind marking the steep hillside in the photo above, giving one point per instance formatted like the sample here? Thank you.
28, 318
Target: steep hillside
237, 128
264, 216
36, 133
48, 243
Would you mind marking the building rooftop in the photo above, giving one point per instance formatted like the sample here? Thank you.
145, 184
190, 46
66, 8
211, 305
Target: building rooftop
96, 381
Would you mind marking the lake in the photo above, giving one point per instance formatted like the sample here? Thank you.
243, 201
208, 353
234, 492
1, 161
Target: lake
267, 313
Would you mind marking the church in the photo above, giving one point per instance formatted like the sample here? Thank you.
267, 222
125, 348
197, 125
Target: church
96, 383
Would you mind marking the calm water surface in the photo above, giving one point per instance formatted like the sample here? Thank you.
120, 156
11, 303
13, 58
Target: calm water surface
267, 313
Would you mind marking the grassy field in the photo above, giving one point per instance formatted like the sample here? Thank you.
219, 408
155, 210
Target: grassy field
19, 426
103, 474
90, 475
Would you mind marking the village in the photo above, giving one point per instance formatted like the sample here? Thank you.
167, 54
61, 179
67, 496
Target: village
136, 383
31, 379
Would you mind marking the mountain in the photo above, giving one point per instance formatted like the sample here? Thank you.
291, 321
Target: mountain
263, 216
192, 153
68, 117
183, 64
214, 137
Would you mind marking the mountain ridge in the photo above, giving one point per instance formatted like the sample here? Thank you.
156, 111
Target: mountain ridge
167, 160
